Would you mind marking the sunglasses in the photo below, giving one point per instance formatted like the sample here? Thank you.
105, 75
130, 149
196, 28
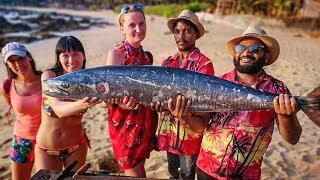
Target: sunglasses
126, 8
255, 48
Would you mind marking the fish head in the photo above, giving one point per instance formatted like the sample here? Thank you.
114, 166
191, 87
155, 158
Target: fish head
58, 89
75, 90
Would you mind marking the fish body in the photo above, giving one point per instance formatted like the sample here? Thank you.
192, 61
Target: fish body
151, 84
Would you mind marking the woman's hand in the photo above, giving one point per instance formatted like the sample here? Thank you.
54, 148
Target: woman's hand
125, 103
87, 102
110, 102
129, 103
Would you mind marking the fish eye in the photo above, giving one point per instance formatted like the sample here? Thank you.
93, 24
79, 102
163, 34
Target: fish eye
65, 85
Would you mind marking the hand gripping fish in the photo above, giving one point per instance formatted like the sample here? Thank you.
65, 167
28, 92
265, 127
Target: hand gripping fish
151, 84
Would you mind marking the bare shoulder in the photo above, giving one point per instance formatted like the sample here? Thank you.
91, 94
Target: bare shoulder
114, 52
115, 56
5, 86
47, 75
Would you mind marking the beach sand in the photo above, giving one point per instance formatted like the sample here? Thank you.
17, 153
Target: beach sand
298, 67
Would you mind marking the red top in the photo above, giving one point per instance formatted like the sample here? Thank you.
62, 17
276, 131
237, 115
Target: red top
173, 136
196, 62
132, 133
134, 56
234, 143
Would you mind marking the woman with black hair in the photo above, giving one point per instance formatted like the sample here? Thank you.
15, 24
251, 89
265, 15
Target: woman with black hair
61, 139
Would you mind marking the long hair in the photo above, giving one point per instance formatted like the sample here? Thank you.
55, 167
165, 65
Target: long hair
67, 44
13, 75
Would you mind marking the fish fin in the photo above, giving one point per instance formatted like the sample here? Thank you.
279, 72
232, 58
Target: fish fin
311, 104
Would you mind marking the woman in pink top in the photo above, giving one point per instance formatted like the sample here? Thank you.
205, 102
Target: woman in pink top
22, 93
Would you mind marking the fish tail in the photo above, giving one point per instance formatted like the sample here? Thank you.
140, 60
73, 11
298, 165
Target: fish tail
310, 104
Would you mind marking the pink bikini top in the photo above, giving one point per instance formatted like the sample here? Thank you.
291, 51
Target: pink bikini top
28, 113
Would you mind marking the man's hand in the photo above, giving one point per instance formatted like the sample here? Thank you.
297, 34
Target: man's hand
180, 109
285, 105
157, 107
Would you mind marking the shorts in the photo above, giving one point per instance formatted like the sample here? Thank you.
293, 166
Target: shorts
22, 150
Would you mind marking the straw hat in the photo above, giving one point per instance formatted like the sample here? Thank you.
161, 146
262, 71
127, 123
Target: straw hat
258, 33
189, 16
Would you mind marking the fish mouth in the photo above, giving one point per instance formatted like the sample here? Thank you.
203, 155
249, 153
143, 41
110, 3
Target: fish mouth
54, 90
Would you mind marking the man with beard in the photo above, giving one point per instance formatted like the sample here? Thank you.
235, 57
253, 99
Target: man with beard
178, 130
233, 144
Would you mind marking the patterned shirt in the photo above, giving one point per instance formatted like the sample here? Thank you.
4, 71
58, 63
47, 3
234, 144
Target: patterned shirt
134, 56
234, 143
172, 135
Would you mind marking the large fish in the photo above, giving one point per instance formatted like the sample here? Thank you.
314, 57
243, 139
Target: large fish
151, 84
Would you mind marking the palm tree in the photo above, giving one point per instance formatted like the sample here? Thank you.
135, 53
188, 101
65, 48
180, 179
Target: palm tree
255, 145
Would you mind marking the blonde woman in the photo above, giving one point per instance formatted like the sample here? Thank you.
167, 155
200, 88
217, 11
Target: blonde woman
132, 126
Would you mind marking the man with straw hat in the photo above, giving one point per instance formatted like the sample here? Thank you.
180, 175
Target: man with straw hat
233, 144
178, 131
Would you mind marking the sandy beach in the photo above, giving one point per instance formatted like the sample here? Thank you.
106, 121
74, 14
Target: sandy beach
298, 67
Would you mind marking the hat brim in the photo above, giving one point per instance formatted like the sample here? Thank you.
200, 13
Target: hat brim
14, 52
271, 43
200, 27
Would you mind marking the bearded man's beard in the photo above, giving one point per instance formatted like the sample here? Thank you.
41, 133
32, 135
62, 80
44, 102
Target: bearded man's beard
249, 69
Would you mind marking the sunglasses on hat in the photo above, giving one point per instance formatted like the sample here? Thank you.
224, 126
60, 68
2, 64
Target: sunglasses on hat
126, 8
255, 48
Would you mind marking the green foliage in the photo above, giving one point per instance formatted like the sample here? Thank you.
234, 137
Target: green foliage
172, 10
93, 7
194, 6
116, 9
169, 10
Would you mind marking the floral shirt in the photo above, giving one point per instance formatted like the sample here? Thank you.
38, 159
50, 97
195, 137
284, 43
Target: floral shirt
134, 56
172, 135
234, 143
132, 132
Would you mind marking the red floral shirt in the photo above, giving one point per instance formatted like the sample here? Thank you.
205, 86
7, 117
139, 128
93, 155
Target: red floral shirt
234, 143
134, 56
132, 133
172, 135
